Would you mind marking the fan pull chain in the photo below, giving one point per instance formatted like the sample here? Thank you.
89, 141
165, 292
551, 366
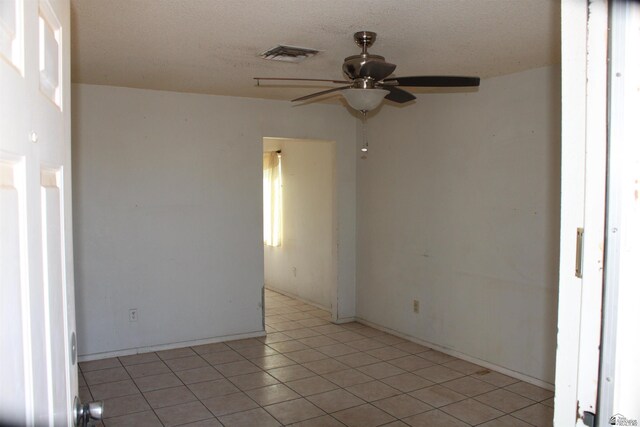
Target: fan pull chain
365, 142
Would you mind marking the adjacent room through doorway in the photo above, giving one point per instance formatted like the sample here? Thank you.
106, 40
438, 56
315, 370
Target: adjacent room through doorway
299, 212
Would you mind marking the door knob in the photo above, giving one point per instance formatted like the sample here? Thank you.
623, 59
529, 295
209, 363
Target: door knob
84, 413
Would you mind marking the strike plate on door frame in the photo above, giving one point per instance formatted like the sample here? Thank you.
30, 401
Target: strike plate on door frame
579, 247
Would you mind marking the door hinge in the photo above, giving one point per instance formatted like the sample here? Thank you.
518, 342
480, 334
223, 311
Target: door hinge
579, 248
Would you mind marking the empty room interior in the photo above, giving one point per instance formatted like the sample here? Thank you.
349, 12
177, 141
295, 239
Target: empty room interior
414, 283
239, 259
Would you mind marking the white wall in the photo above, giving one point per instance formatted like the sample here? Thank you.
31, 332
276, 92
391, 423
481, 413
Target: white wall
167, 212
304, 264
458, 207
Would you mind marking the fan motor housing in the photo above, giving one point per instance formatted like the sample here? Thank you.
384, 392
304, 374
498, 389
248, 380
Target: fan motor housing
353, 64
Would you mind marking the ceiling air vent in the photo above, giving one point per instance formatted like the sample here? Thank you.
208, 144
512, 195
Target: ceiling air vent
288, 53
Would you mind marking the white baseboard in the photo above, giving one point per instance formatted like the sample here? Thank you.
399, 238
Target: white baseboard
137, 350
479, 362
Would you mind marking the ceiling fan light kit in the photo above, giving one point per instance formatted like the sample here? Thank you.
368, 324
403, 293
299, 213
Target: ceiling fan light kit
364, 99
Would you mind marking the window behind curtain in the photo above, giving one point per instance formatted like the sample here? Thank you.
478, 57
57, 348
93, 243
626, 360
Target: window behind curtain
272, 198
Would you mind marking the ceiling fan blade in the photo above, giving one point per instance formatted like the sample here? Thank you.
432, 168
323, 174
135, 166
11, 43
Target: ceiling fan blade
398, 95
377, 70
313, 95
434, 81
300, 80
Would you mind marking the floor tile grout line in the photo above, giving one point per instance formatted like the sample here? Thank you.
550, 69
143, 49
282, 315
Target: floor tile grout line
239, 390
142, 394
137, 388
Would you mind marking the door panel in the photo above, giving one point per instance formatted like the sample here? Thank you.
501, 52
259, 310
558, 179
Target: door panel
11, 32
54, 292
49, 53
11, 291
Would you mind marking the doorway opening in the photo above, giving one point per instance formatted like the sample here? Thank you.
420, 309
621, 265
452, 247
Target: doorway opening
300, 226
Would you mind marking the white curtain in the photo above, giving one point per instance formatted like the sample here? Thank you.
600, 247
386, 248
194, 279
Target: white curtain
272, 198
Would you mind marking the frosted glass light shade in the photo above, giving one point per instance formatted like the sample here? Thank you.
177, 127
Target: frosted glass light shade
364, 99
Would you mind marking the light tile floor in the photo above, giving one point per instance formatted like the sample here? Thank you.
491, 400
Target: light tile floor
309, 372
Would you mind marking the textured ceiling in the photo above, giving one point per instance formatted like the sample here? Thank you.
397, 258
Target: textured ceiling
212, 46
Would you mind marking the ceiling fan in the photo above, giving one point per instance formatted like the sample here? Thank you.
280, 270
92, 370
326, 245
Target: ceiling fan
370, 82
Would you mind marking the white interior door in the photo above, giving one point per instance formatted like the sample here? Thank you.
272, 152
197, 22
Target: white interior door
37, 318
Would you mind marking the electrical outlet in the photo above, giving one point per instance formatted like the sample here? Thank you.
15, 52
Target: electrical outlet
133, 315
416, 306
